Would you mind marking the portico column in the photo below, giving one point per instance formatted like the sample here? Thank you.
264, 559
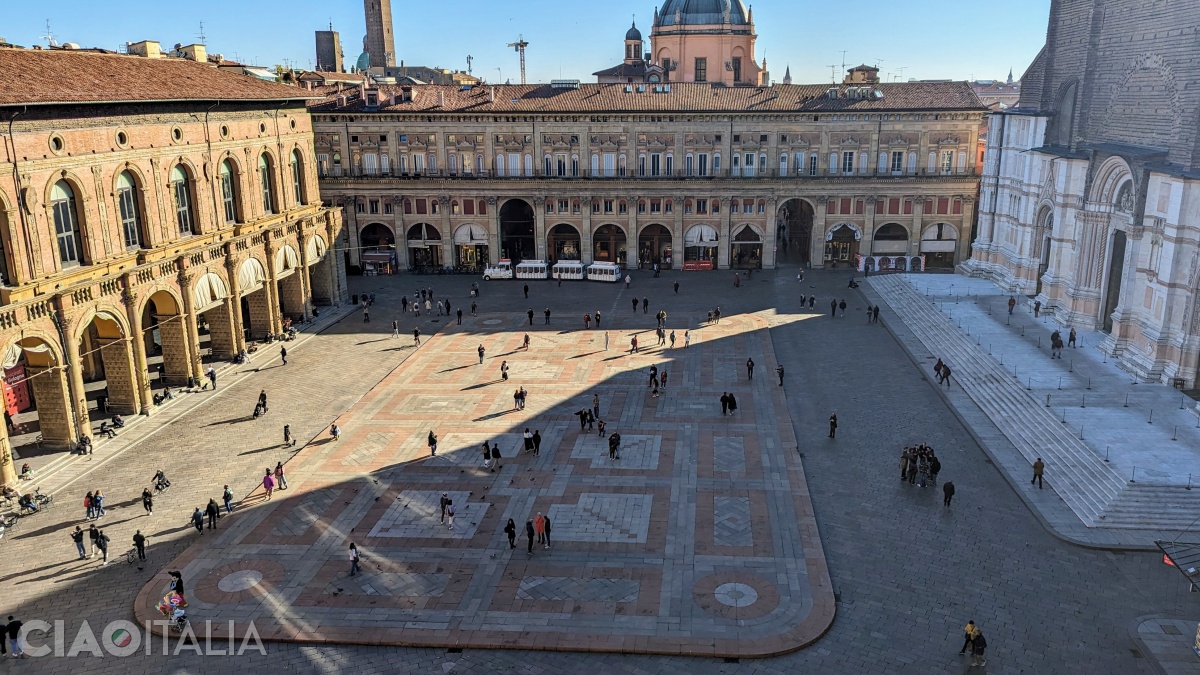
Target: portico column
140, 369
676, 226
274, 312
539, 227
235, 301
8, 473
724, 245
585, 232
918, 212
817, 248
963, 247
770, 235
305, 276
868, 240
190, 321
447, 234
493, 231
78, 395
632, 200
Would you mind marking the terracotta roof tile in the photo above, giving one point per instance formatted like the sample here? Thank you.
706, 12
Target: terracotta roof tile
682, 97
40, 77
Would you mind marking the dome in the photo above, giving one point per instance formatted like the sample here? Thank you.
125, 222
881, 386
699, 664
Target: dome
702, 12
633, 33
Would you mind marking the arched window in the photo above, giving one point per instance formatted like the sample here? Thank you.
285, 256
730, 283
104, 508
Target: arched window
229, 191
478, 163
181, 191
622, 166
716, 164
265, 179
574, 166
670, 166
499, 165
595, 165
528, 165
688, 165
783, 164
127, 205
66, 224
298, 175
547, 169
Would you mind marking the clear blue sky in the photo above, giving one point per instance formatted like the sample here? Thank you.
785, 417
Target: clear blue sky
928, 39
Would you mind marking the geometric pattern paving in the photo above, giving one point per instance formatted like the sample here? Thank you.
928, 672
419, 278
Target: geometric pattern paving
602, 518
731, 521
570, 588
699, 540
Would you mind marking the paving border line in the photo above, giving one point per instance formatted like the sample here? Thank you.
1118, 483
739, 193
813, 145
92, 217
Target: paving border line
988, 435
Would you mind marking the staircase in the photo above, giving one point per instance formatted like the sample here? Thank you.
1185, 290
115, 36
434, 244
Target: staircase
1092, 489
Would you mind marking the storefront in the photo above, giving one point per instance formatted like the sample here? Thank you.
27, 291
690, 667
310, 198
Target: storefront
471, 247
746, 249
424, 247
654, 246
700, 247
841, 244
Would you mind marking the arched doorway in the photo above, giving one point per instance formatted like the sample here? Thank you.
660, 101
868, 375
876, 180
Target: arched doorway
890, 239
746, 249
654, 246
37, 398
700, 246
939, 242
165, 337
106, 365
1116, 275
211, 302
289, 283
471, 247
793, 231
608, 244
841, 244
1042, 238
517, 238
563, 243
425, 246
257, 312
322, 272
378, 247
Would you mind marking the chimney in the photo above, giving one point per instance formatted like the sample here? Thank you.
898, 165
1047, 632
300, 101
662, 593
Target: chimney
491, 94
341, 101
441, 99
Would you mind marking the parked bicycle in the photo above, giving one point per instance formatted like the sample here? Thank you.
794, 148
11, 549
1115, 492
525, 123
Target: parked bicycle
8, 522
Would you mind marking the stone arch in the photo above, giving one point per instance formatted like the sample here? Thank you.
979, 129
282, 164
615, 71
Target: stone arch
1107, 179
252, 274
609, 243
83, 196
208, 291
1066, 104
257, 304
564, 242
517, 230
1148, 85
287, 261
165, 334
316, 248
855, 229
44, 382
111, 322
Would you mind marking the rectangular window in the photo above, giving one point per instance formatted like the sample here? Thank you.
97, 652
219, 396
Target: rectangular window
373, 206
747, 206
403, 164
622, 208
563, 206
641, 206
812, 165
608, 206
701, 69
421, 207
655, 206
227, 199
370, 164
183, 208
387, 208
418, 163
716, 206
595, 207
641, 165
669, 169
560, 164
702, 164
848, 162
688, 166
656, 164
323, 165
667, 208
737, 69
897, 162
129, 217
610, 165
701, 206
716, 165
947, 161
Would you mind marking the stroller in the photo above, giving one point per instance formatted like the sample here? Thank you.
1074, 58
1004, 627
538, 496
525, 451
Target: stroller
173, 606
160, 481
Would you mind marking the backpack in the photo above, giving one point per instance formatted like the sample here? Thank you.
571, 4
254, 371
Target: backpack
87, 502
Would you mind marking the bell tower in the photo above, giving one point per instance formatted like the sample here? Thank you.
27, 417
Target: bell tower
633, 45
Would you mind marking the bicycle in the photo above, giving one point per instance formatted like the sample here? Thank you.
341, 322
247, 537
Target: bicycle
131, 555
42, 501
8, 522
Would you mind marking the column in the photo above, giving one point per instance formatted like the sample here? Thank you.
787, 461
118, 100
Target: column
304, 271
724, 245
118, 374
963, 247
271, 287
918, 212
817, 251
77, 393
770, 236
140, 369
49, 384
176, 360
8, 473
493, 230
447, 235
585, 231
676, 226
867, 247
632, 201
539, 227
192, 330
221, 333
235, 301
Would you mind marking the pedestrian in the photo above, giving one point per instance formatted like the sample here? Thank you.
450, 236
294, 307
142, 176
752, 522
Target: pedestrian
1012, 303
662, 380
12, 630
447, 301
627, 280
833, 425
525, 344
676, 288
1039, 467
93, 536
354, 569
530, 313
77, 537
935, 467
139, 542
600, 428
612, 446
458, 313
596, 405
1037, 308
283, 354
404, 303
842, 306
504, 370
633, 344
833, 309
334, 432
148, 501
268, 483
429, 306
262, 399
288, 441
978, 647
645, 305
539, 528
732, 403
445, 500
546, 524
875, 314
937, 370
89, 506
869, 308
473, 309
280, 478
969, 633
547, 313
198, 520
905, 458
1071, 339
227, 497
605, 340
947, 492
495, 456
432, 441
750, 369
487, 455
779, 372
527, 290
597, 319
98, 502
481, 353
635, 302
366, 314
672, 339
529, 529
102, 542
946, 375
717, 314
212, 377
511, 530
724, 403
687, 339
812, 301
527, 438
213, 512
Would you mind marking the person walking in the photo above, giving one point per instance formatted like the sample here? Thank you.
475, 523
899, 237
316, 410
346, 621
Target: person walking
525, 344
1039, 467
432, 441
227, 497
947, 492
662, 380
779, 372
539, 528
546, 312
978, 647
98, 502
1071, 338
395, 328
627, 280
212, 377
417, 337
530, 314
676, 286
12, 631
537, 442
875, 314
1012, 303
495, 456
77, 537
546, 524
1037, 308
529, 535
89, 506
969, 633
833, 309
596, 405
288, 440
198, 520
833, 425
842, 306
527, 437
139, 542
474, 309
213, 512
354, 558
442, 503
510, 529
450, 511
587, 321
597, 319
946, 375
262, 399
487, 455
672, 339
458, 314
645, 305
268, 483
283, 354
93, 536
605, 340
366, 314
937, 370
481, 353
750, 369
633, 345
724, 404
504, 370
334, 432
527, 290
635, 303
687, 339
148, 501
280, 478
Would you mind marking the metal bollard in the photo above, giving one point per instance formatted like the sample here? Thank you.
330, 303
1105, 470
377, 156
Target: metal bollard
1081, 432
1175, 435
1064, 419
1047, 400
1151, 420
1133, 476
1029, 384
1106, 449
1083, 402
1072, 368
1060, 383
1089, 384
1126, 400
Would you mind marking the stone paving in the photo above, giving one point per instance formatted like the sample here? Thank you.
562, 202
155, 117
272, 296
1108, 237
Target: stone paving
906, 572
652, 551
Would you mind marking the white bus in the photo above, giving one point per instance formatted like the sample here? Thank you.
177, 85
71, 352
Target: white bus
567, 269
532, 269
604, 271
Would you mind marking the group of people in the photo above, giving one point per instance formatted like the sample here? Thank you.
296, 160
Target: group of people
519, 397
537, 527
272, 480
1056, 343
943, 373
919, 465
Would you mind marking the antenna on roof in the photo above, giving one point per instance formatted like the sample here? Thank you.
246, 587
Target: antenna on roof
49, 37
201, 36
469, 60
833, 73
844, 60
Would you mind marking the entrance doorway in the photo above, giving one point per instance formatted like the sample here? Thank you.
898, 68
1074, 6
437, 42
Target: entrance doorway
793, 231
608, 244
746, 249
517, 239
654, 246
1116, 274
841, 245
425, 247
563, 243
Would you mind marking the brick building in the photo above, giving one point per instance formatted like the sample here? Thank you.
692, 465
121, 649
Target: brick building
681, 173
154, 212
1091, 183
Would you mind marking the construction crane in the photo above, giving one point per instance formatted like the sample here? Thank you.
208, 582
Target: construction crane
519, 47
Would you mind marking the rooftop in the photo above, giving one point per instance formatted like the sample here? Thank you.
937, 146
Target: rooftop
68, 77
667, 97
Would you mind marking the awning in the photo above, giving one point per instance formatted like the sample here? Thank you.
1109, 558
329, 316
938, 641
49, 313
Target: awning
286, 261
937, 245
210, 291
316, 249
377, 257
251, 276
467, 235
700, 235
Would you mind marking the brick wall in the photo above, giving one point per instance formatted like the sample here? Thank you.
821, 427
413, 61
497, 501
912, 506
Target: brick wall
50, 392
173, 333
220, 331
118, 370
260, 313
